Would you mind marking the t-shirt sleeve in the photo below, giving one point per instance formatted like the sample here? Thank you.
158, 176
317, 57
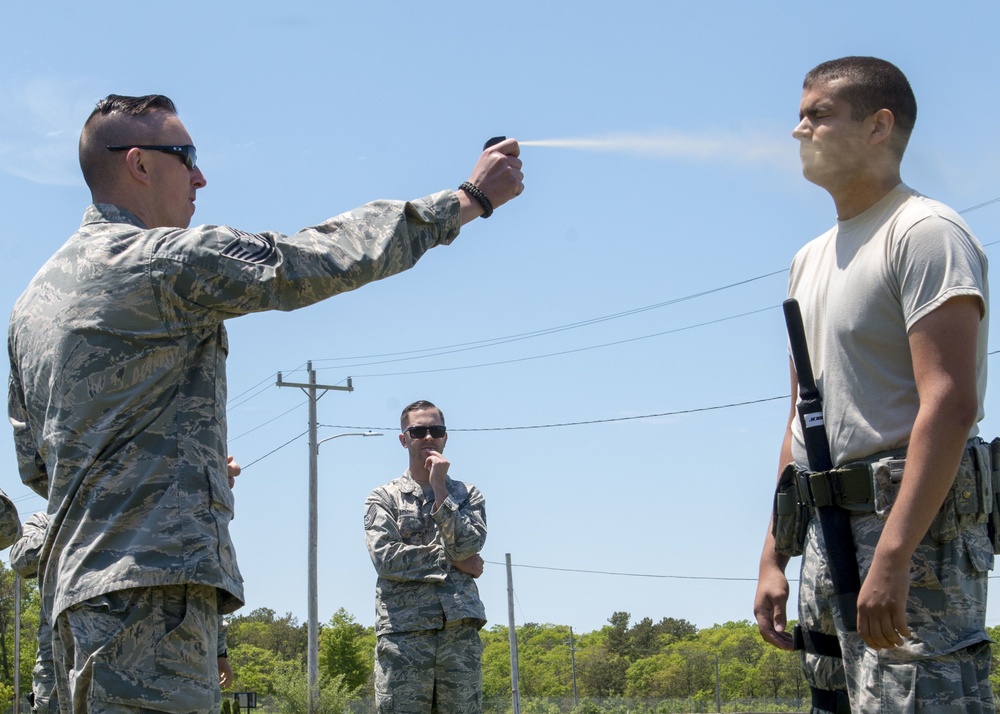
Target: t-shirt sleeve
935, 260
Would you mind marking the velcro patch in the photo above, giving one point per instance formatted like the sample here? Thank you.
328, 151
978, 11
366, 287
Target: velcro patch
249, 247
370, 516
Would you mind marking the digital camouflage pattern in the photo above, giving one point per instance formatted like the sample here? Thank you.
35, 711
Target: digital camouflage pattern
24, 560
412, 551
118, 390
430, 671
24, 554
142, 649
427, 613
10, 522
945, 665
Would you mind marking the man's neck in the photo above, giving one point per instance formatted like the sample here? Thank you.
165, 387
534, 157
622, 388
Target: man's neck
853, 199
123, 202
419, 474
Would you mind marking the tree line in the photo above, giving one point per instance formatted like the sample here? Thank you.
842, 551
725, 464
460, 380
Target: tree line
641, 666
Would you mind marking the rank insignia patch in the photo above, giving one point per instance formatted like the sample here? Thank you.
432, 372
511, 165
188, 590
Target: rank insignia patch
249, 247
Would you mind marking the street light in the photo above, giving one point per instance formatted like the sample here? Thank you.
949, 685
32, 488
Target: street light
313, 655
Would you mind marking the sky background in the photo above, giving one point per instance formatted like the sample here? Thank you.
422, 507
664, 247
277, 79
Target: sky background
585, 342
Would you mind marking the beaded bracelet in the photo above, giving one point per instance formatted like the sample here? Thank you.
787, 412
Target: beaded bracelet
473, 190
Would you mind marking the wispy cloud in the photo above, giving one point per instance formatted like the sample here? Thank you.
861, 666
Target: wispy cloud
673, 145
40, 120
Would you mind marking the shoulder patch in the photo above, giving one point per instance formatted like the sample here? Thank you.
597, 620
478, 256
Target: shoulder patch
370, 516
249, 247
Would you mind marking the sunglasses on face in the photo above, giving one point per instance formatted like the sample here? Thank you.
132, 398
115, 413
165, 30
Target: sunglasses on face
420, 432
187, 153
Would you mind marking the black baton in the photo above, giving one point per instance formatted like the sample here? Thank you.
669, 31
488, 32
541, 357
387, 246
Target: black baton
834, 520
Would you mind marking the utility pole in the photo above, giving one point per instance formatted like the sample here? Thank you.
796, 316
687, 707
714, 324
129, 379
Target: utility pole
17, 644
514, 683
572, 659
718, 689
311, 389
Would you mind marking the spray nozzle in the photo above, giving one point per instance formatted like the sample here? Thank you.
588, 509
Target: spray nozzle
492, 142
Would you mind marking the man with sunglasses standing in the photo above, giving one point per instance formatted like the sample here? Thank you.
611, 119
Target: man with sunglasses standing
118, 395
424, 533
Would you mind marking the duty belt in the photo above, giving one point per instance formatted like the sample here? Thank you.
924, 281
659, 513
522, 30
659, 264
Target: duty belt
849, 486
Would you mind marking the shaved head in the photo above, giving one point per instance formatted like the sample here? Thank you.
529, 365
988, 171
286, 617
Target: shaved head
119, 121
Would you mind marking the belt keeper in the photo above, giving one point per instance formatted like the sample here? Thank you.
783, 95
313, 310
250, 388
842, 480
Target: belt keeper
822, 488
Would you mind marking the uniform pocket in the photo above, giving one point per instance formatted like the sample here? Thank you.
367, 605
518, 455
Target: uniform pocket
790, 517
411, 523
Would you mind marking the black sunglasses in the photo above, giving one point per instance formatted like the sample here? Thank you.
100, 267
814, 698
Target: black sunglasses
186, 153
419, 432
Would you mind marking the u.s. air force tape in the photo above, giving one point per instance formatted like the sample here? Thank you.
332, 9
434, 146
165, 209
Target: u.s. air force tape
249, 247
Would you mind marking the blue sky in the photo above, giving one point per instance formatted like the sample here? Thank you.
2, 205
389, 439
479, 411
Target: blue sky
303, 110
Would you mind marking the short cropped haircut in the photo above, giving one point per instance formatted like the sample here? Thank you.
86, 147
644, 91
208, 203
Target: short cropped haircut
117, 121
418, 406
871, 84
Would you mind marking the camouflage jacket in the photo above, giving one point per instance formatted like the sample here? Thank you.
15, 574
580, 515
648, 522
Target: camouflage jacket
10, 522
118, 388
24, 554
412, 550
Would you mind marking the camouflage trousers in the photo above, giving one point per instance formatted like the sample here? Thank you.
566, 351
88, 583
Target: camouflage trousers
431, 671
43, 676
139, 650
945, 665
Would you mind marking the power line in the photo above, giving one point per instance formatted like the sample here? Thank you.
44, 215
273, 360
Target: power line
567, 352
290, 441
644, 575
239, 404
630, 575
268, 378
261, 426
980, 205
490, 342
536, 426
581, 423
467, 346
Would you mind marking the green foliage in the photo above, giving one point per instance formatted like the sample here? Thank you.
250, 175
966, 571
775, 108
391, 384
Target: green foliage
227, 705
292, 694
994, 633
644, 668
256, 669
496, 662
347, 650
283, 636
666, 666
30, 606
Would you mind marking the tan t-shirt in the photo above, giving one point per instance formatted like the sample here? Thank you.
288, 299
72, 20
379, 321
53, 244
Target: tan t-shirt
861, 286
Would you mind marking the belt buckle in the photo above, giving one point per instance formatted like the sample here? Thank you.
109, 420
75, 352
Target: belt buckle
804, 488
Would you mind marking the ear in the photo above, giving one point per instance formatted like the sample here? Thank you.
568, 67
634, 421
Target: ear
882, 123
137, 167
402, 439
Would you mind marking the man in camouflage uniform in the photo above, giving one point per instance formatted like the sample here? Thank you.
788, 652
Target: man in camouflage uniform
10, 522
24, 560
895, 305
424, 533
118, 395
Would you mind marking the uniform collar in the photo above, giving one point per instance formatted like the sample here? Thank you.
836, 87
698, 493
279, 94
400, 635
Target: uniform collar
409, 485
110, 213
